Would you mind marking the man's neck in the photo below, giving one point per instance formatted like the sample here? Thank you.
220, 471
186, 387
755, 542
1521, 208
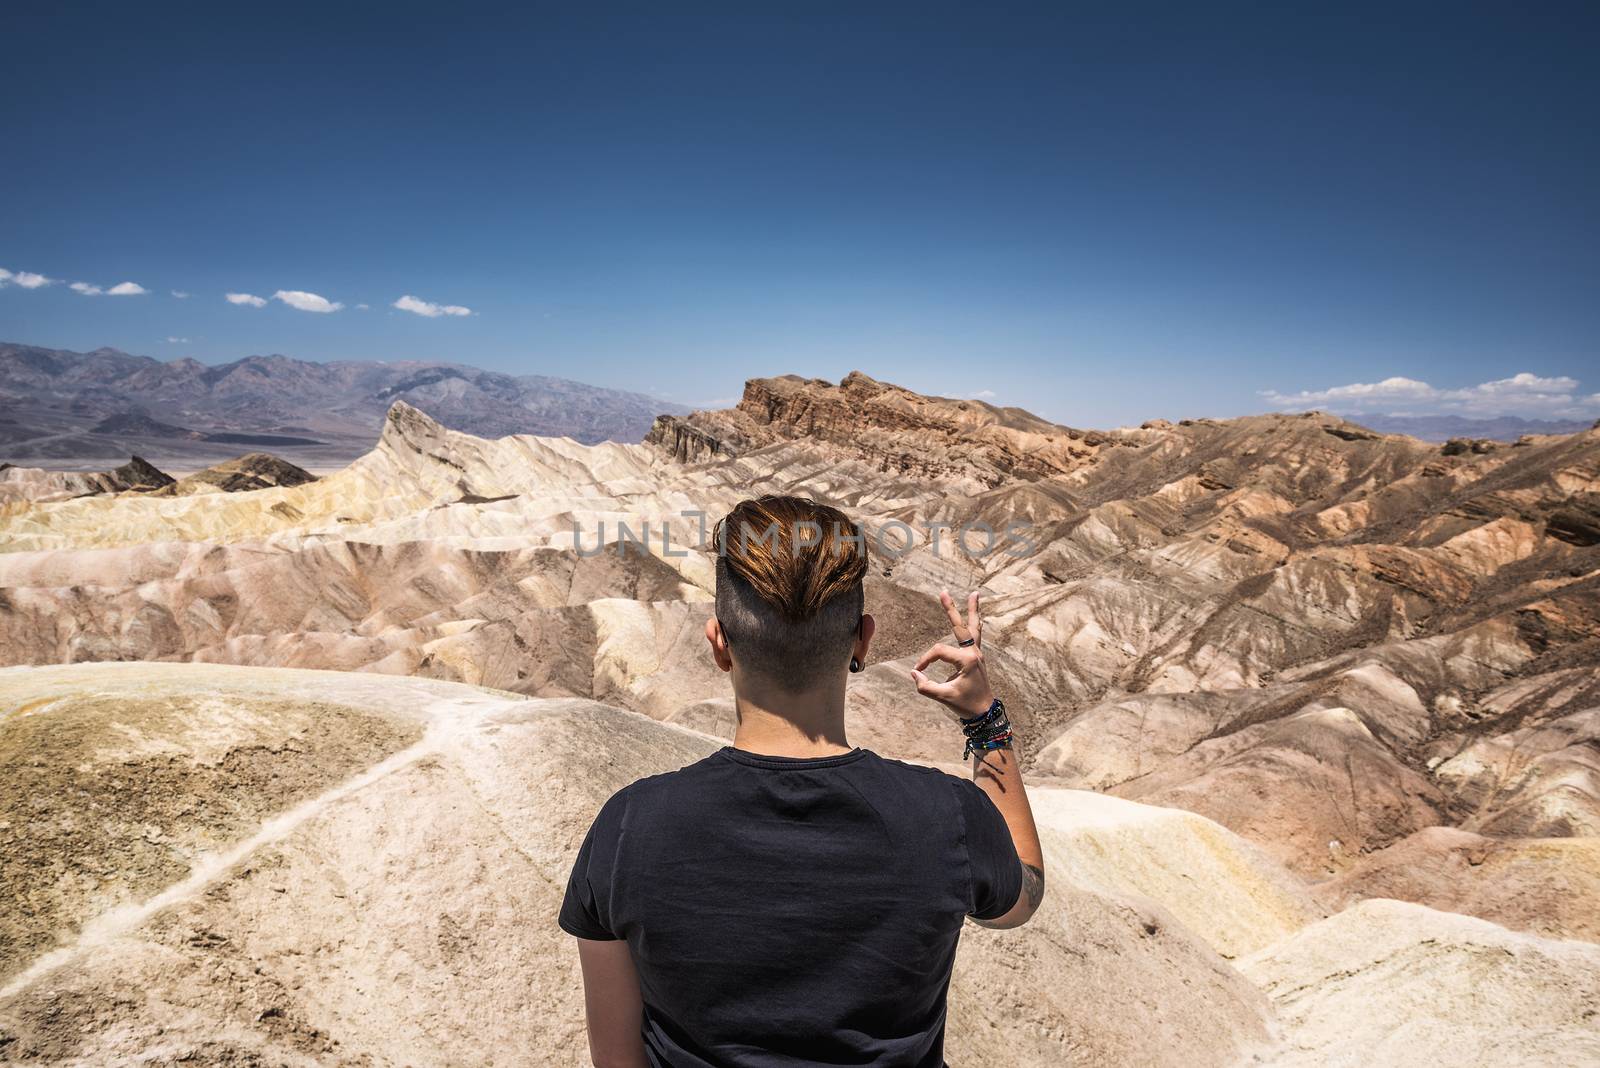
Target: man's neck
773, 723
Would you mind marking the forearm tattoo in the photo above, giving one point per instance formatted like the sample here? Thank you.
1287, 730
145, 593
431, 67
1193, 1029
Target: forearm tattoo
1033, 884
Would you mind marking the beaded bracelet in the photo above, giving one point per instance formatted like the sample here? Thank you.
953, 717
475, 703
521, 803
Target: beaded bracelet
973, 723
988, 730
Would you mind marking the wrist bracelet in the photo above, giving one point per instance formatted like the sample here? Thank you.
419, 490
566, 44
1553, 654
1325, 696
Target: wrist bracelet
988, 730
996, 708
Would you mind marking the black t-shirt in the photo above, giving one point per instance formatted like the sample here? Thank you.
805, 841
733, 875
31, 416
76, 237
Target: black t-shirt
793, 911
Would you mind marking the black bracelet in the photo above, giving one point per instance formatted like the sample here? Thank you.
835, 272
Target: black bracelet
988, 730
995, 710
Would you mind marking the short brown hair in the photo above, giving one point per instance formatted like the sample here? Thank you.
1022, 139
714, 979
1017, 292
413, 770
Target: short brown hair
789, 587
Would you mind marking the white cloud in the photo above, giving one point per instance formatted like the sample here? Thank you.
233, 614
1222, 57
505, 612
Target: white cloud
984, 394
180, 294
418, 306
245, 298
299, 298
178, 340
363, 307
25, 279
121, 289
1525, 394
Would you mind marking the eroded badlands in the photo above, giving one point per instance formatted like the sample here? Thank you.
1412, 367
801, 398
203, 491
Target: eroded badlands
1335, 694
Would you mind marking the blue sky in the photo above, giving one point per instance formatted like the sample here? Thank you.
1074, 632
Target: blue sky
1200, 210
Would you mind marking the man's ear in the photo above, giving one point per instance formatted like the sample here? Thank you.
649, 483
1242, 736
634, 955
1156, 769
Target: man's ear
719, 644
864, 632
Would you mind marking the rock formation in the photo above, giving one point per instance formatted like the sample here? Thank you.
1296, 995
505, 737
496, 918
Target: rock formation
225, 863
1391, 983
252, 471
231, 865
38, 484
1373, 660
891, 428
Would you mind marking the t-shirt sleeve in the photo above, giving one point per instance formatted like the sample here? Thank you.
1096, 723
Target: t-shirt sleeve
583, 911
996, 870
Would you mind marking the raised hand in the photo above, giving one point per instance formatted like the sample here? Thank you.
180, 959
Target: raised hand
967, 693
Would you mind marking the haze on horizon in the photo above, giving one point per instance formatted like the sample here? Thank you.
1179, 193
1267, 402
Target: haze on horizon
1101, 217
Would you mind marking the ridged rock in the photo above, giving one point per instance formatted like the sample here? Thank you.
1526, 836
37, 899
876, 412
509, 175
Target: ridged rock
213, 871
252, 471
38, 484
888, 427
1325, 639
1391, 983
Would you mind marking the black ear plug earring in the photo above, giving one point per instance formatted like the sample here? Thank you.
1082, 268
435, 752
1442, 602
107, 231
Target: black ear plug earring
855, 665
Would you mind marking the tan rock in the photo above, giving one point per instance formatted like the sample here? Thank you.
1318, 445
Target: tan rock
400, 909
1387, 983
1545, 886
1300, 628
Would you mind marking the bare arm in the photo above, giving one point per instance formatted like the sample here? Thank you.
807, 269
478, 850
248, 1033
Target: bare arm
612, 1003
997, 772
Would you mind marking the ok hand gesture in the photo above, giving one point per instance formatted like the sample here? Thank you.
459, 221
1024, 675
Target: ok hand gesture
967, 693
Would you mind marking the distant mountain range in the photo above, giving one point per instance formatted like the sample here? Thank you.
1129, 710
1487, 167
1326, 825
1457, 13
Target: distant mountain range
1445, 427
59, 408
57, 405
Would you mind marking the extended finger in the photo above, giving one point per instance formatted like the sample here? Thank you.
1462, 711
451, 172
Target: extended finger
957, 624
974, 621
948, 653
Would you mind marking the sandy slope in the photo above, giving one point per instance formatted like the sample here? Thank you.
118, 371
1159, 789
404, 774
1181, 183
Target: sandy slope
1392, 983
377, 883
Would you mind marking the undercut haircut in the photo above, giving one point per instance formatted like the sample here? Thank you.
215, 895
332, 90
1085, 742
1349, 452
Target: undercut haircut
789, 588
